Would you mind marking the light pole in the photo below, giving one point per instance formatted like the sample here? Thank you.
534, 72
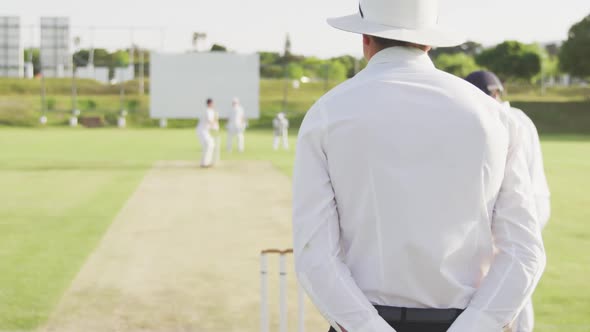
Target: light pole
30, 71
75, 110
121, 121
43, 119
286, 58
141, 73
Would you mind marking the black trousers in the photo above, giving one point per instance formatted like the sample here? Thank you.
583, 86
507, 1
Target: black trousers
415, 327
417, 320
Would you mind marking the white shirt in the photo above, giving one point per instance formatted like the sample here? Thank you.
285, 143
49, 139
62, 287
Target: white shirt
207, 121
534, 157
280, 124
411, 190
237, 120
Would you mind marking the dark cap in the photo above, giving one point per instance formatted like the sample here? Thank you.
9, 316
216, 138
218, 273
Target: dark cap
486, 81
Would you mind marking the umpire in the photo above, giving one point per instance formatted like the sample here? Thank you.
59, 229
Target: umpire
412, 206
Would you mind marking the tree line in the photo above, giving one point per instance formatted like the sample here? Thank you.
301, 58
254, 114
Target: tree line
101, 58
514, 61
511, 60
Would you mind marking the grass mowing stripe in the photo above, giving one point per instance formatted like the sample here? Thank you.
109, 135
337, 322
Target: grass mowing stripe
47, 233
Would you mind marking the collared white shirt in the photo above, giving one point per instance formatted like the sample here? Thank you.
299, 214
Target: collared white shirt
411, 190
534, 157
237, 120
207, 121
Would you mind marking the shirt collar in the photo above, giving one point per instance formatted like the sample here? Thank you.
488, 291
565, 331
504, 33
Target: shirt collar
402, 56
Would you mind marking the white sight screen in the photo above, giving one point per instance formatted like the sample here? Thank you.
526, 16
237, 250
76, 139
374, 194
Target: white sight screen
55, 45
11, 54
181, 83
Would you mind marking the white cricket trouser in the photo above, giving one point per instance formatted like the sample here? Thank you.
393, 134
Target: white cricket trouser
284, 138
208, 144
230, 139
525, 321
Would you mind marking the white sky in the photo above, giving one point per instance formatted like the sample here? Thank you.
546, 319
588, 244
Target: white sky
253, 25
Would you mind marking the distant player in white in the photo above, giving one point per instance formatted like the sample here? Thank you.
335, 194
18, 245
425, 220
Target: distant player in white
207, 122
281, 131
489, 83
236, 126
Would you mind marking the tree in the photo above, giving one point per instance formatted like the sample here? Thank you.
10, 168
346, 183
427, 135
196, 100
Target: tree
81, 58
287, 46
36, 59
270, 65
312, 67
350, 63
120, 58
269, 58
271, 71
218, 48
458, 64
551, 66
294, 71
511, 60
552, 49
102, 57
334, 71
575, 52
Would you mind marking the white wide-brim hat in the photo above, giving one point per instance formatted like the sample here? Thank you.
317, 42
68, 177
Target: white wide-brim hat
414, 21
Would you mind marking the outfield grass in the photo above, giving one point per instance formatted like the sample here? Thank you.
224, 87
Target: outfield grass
61, 188
563, 297
20, 103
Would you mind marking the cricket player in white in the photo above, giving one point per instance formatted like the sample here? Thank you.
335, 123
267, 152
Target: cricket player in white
281, 131
207, 122
236, 126
491, 85
412, 202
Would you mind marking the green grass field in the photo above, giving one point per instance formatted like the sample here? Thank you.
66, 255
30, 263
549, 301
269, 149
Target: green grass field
61, 188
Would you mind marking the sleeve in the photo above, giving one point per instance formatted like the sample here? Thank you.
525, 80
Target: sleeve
316, 230
539, 180
520, 258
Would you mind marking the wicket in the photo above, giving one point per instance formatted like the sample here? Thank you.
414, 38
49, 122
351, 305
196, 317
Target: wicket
264, 306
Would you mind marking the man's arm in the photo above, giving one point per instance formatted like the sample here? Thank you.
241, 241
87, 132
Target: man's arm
520, 259
316, 229
539, 180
